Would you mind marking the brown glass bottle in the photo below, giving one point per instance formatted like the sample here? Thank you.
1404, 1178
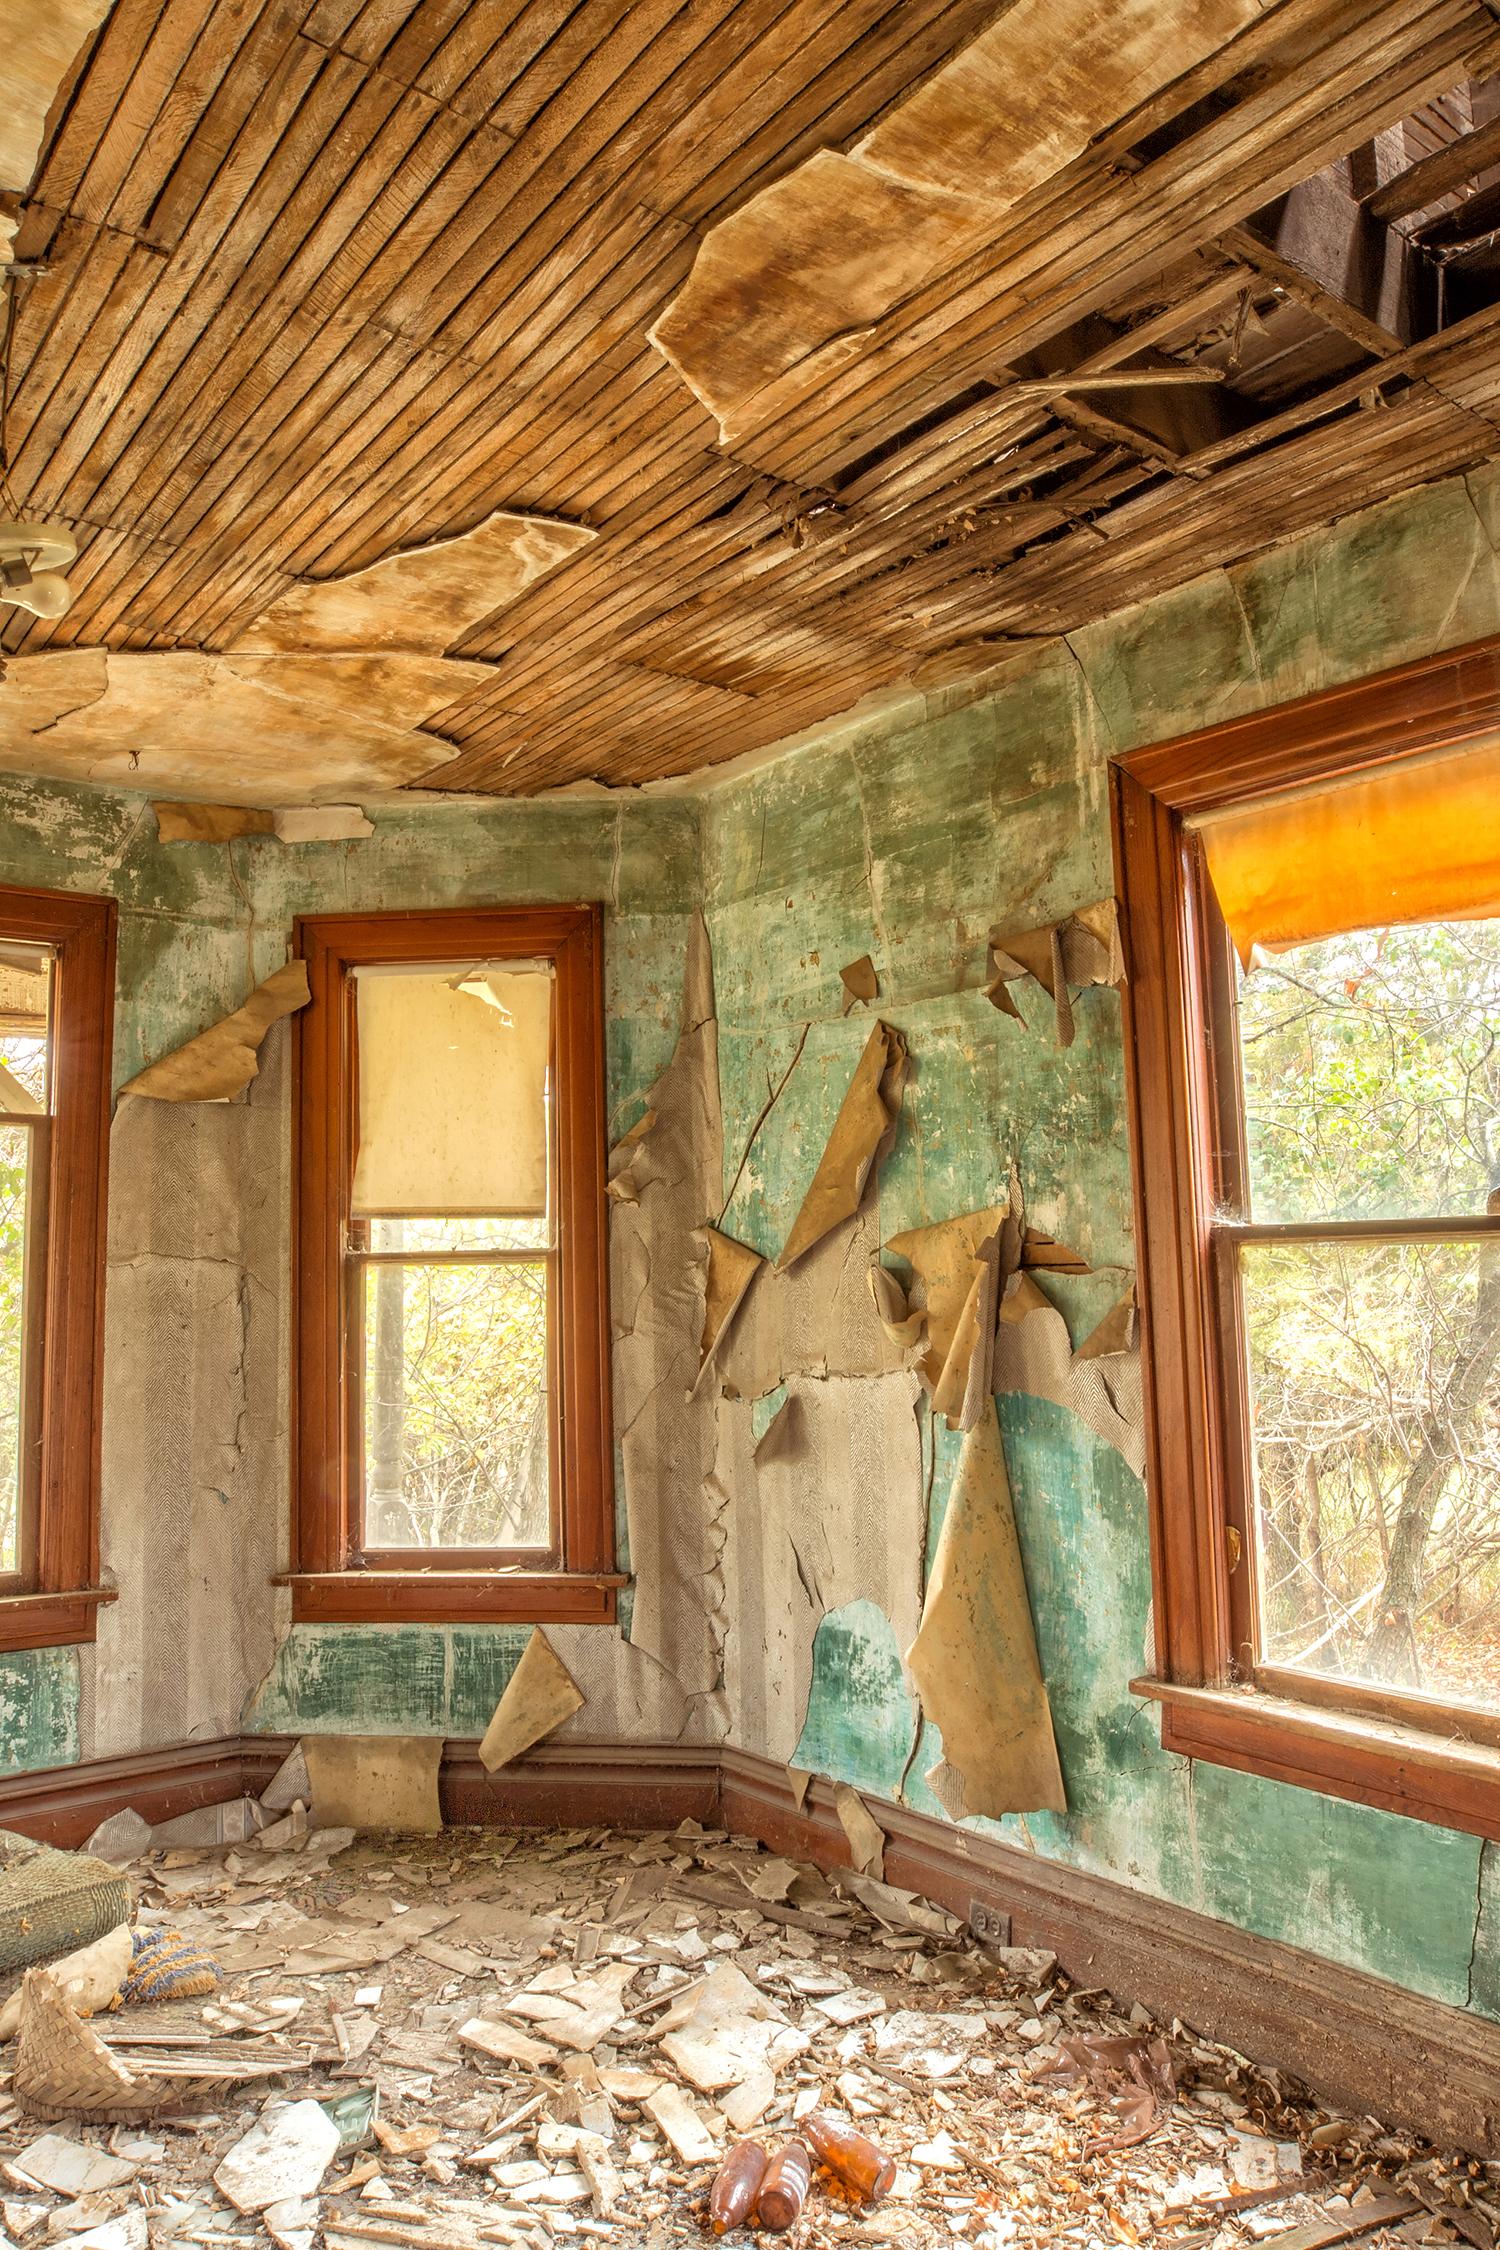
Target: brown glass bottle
737, 2185
783, 2191
849, 2156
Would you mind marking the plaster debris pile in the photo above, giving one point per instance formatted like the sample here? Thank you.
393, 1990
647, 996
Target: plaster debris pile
480, 2038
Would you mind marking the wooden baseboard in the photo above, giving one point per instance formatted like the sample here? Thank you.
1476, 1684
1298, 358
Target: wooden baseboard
1362, 2043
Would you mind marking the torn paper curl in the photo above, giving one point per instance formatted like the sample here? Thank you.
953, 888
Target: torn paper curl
539, 1695
1062, 957
1100, 1382
221, 1061
862, 1132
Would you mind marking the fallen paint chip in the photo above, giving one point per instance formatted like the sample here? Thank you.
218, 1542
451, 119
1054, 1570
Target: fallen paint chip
670, 2108
375, 1781
221, 1061
974, 1658
864, 1832
539, 1695
860, 982
283, 2156
71, 2167
865, 1125
420, 598
500, 2042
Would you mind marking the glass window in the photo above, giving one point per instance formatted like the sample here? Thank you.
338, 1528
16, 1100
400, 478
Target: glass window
452, 1250
1368, 1268
25, 1118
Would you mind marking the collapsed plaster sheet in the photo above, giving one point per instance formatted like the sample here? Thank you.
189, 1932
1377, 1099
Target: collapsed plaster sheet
42, 38
1082, 949
421, 598
862, 1132
796, 278
1033, 1352
657, 1291
194, 1463
975, 1660
540, 1694
834, 1514
266, 730
816, 1320
221, 1061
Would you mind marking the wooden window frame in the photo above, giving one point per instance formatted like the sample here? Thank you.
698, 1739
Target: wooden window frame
1414, 1755
53, 1599
330, 1581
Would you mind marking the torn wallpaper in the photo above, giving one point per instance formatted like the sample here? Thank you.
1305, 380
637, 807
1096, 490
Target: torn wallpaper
862, 1130
975, 1659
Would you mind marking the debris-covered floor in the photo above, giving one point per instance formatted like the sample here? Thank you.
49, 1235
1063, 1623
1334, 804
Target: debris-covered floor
567, 2032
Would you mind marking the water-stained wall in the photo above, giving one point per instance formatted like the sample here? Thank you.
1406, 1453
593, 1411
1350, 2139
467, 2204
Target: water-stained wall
905, 835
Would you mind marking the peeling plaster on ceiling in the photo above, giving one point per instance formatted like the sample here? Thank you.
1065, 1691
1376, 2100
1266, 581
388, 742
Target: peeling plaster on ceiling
42, 37
270, 730
810, 263
423, 598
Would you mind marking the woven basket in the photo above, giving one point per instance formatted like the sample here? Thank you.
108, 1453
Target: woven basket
54, 1902
64, 2069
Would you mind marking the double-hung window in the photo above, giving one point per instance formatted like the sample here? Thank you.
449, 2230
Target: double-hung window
56, 1012
453, 1451
1312, 899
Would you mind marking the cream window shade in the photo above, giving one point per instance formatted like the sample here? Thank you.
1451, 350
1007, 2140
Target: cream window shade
1416, 842
452, 1091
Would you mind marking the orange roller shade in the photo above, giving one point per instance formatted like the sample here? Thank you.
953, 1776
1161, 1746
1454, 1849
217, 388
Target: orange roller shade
1416, 842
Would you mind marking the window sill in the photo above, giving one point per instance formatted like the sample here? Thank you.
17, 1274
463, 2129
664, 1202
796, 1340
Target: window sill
452, 1597
52, 1620
1399, 1768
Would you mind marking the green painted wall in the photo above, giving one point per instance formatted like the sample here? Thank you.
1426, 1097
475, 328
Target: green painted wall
905, 835
199, 924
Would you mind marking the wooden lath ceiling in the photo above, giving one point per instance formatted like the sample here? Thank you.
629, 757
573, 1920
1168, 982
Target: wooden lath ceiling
327, 281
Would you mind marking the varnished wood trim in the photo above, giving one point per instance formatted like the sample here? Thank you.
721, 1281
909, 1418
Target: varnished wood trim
1363, 1755
453, 1597
52, 1620
325, 1532
61, 1541
1187, 1163
1437, 703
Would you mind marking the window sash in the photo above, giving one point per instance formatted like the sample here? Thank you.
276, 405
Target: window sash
333, 1578
52, 1597
1432, 1766
360, 1262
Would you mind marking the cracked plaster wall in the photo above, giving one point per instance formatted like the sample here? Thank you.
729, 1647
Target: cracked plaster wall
906, 834
194, 1487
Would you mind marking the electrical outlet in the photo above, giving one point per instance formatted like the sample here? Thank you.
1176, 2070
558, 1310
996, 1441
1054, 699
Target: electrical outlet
989, 1925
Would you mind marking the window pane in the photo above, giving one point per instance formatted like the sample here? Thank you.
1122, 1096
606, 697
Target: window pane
1372, 1074
15, 1156
455, 1406
461, 1234
1375, 1410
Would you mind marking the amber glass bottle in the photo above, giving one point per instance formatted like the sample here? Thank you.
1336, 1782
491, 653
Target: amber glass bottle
783, 2191
737, 2185
849, 2156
